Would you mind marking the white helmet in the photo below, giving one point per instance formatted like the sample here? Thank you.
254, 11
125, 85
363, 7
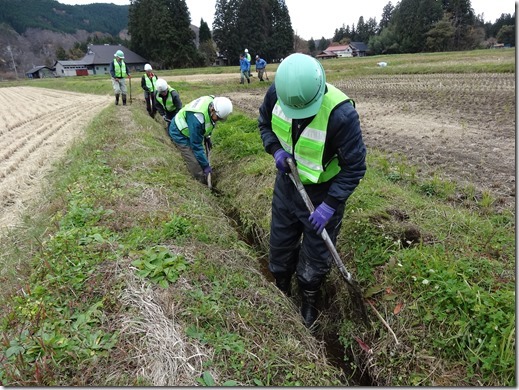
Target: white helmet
148, 67
246, 50
223, 107
161, 85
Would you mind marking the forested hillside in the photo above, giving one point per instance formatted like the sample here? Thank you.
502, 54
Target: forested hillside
54, 16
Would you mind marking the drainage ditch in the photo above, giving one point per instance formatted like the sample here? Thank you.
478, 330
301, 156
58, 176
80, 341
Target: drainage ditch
335, 351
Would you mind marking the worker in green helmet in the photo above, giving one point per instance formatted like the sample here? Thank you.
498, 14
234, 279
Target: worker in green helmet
316, 125
119, 72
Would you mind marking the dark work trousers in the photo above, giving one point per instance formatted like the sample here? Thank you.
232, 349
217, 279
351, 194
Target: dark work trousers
294, 244
149, 98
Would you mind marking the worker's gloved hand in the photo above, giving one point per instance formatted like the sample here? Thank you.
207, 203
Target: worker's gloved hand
207, 170
165, 117
320, 217
281, 156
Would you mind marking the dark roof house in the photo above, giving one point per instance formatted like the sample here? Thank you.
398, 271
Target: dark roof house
97, 61
40, 72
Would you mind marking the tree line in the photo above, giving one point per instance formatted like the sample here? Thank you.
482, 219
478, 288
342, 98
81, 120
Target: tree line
262, 26
265, 28
414, 26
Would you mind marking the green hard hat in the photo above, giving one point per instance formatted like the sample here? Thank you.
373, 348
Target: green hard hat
119, 53
300, 85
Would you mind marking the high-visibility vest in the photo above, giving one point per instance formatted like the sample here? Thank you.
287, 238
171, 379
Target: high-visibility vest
150, 83
169, 105
119, 68
200, 105
309, 148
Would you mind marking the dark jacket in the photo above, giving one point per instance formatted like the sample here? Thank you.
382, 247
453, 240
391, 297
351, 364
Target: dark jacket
343, 138
160, 104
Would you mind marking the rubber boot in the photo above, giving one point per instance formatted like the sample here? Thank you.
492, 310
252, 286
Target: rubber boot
116, 99
284, 283
309, 307
124, 100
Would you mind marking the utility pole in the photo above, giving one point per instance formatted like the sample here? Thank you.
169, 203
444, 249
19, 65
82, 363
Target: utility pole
12, 59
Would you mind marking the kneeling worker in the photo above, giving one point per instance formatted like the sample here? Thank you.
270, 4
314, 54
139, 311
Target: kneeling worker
193, 126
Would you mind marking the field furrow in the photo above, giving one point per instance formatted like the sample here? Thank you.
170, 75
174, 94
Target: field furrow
32, 141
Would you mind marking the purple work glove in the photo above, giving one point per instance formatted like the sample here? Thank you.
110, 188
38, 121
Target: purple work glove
281, 156
320, 217
207, 170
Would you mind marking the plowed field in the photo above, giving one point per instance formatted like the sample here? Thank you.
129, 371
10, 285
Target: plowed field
36, 127
459, 125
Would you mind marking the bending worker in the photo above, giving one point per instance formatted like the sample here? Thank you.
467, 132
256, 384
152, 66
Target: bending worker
148, 82
167, 100
193, 126
315, 124
119, 71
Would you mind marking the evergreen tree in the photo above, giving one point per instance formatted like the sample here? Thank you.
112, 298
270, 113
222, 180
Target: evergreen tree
323, 44
461, 17
387, 12
262, 26
282, 37
225, 31
311, 46
440, 37
204, 34
412, 19
169, 40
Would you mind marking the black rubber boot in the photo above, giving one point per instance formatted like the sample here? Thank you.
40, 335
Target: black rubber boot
116, 99
284, 283
309, 307
124, 100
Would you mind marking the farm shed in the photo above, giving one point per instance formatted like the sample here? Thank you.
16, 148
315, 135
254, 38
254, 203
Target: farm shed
97, 61
353, 49
40, 72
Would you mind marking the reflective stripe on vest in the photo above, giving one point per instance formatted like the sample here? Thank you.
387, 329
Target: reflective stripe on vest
119, 69
200, 105
150, 83
169, 106
309, 149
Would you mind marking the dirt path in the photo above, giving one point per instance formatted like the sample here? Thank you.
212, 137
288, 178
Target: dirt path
36, 127
462, 126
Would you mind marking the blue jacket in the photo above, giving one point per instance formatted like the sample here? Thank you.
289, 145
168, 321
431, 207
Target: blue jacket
196, 137
244, 65
261, 63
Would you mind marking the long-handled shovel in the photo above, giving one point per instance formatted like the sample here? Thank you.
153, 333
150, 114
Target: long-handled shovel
130, 90
207, 145
353, 287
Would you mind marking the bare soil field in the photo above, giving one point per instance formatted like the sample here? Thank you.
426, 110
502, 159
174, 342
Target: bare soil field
36, 127
459, 125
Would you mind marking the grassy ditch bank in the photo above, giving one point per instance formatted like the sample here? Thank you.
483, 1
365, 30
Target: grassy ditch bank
437, 274
129, 273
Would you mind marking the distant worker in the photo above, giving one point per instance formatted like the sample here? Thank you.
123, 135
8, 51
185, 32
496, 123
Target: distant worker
148, 84
167, 100
119, 71
193, 126
244, 69
247, 57
260, 67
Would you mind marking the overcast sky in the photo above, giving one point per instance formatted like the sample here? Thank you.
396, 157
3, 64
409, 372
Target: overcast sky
325, 16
